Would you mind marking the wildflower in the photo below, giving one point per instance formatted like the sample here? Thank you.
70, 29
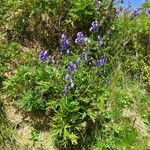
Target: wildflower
100, 41
65, 89
135, 13
100, 62
71, 67
43, 55
67, 77
72, 85
78, 60
71, 80
85, 57
80, 38
94, 26
64, 44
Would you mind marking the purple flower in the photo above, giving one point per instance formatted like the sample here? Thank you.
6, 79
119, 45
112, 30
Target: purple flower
101, 62
67, 77
78, 60
43, 55
94, 26
80, 38
64, 44
135, 13
72, 85
65, 89
71, 67
100, 41
84, 55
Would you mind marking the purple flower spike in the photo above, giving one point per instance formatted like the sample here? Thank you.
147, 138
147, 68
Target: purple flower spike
65, 89
94, 26
71, 67
43, 55
67, 77
78, 60
80, 38
101, 62
72, 85
135, 13
64, 44
85, 57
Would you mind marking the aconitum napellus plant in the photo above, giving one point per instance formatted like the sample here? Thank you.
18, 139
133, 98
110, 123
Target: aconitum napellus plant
84, 57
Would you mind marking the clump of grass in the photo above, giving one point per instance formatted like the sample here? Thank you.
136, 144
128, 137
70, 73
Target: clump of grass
7, 141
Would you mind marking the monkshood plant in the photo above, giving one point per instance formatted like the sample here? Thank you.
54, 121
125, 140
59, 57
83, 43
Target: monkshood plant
84, 96
71, 85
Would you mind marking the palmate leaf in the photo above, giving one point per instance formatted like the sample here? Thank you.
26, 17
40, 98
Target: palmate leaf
69, 135
92, 114
73, 138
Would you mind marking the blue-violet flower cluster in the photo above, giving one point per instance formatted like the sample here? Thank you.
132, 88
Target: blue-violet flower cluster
43, 55
81, 39
64, 44
101, 62
71, 68
94, 26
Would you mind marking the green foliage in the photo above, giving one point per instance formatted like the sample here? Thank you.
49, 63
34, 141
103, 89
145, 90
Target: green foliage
35, 135
118, 132
146, 4
8, 53
82, 9
43, 20
77, 113
8, 56
34, 86
90, 115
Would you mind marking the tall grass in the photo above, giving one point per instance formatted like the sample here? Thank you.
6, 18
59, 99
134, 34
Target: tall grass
7, 141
